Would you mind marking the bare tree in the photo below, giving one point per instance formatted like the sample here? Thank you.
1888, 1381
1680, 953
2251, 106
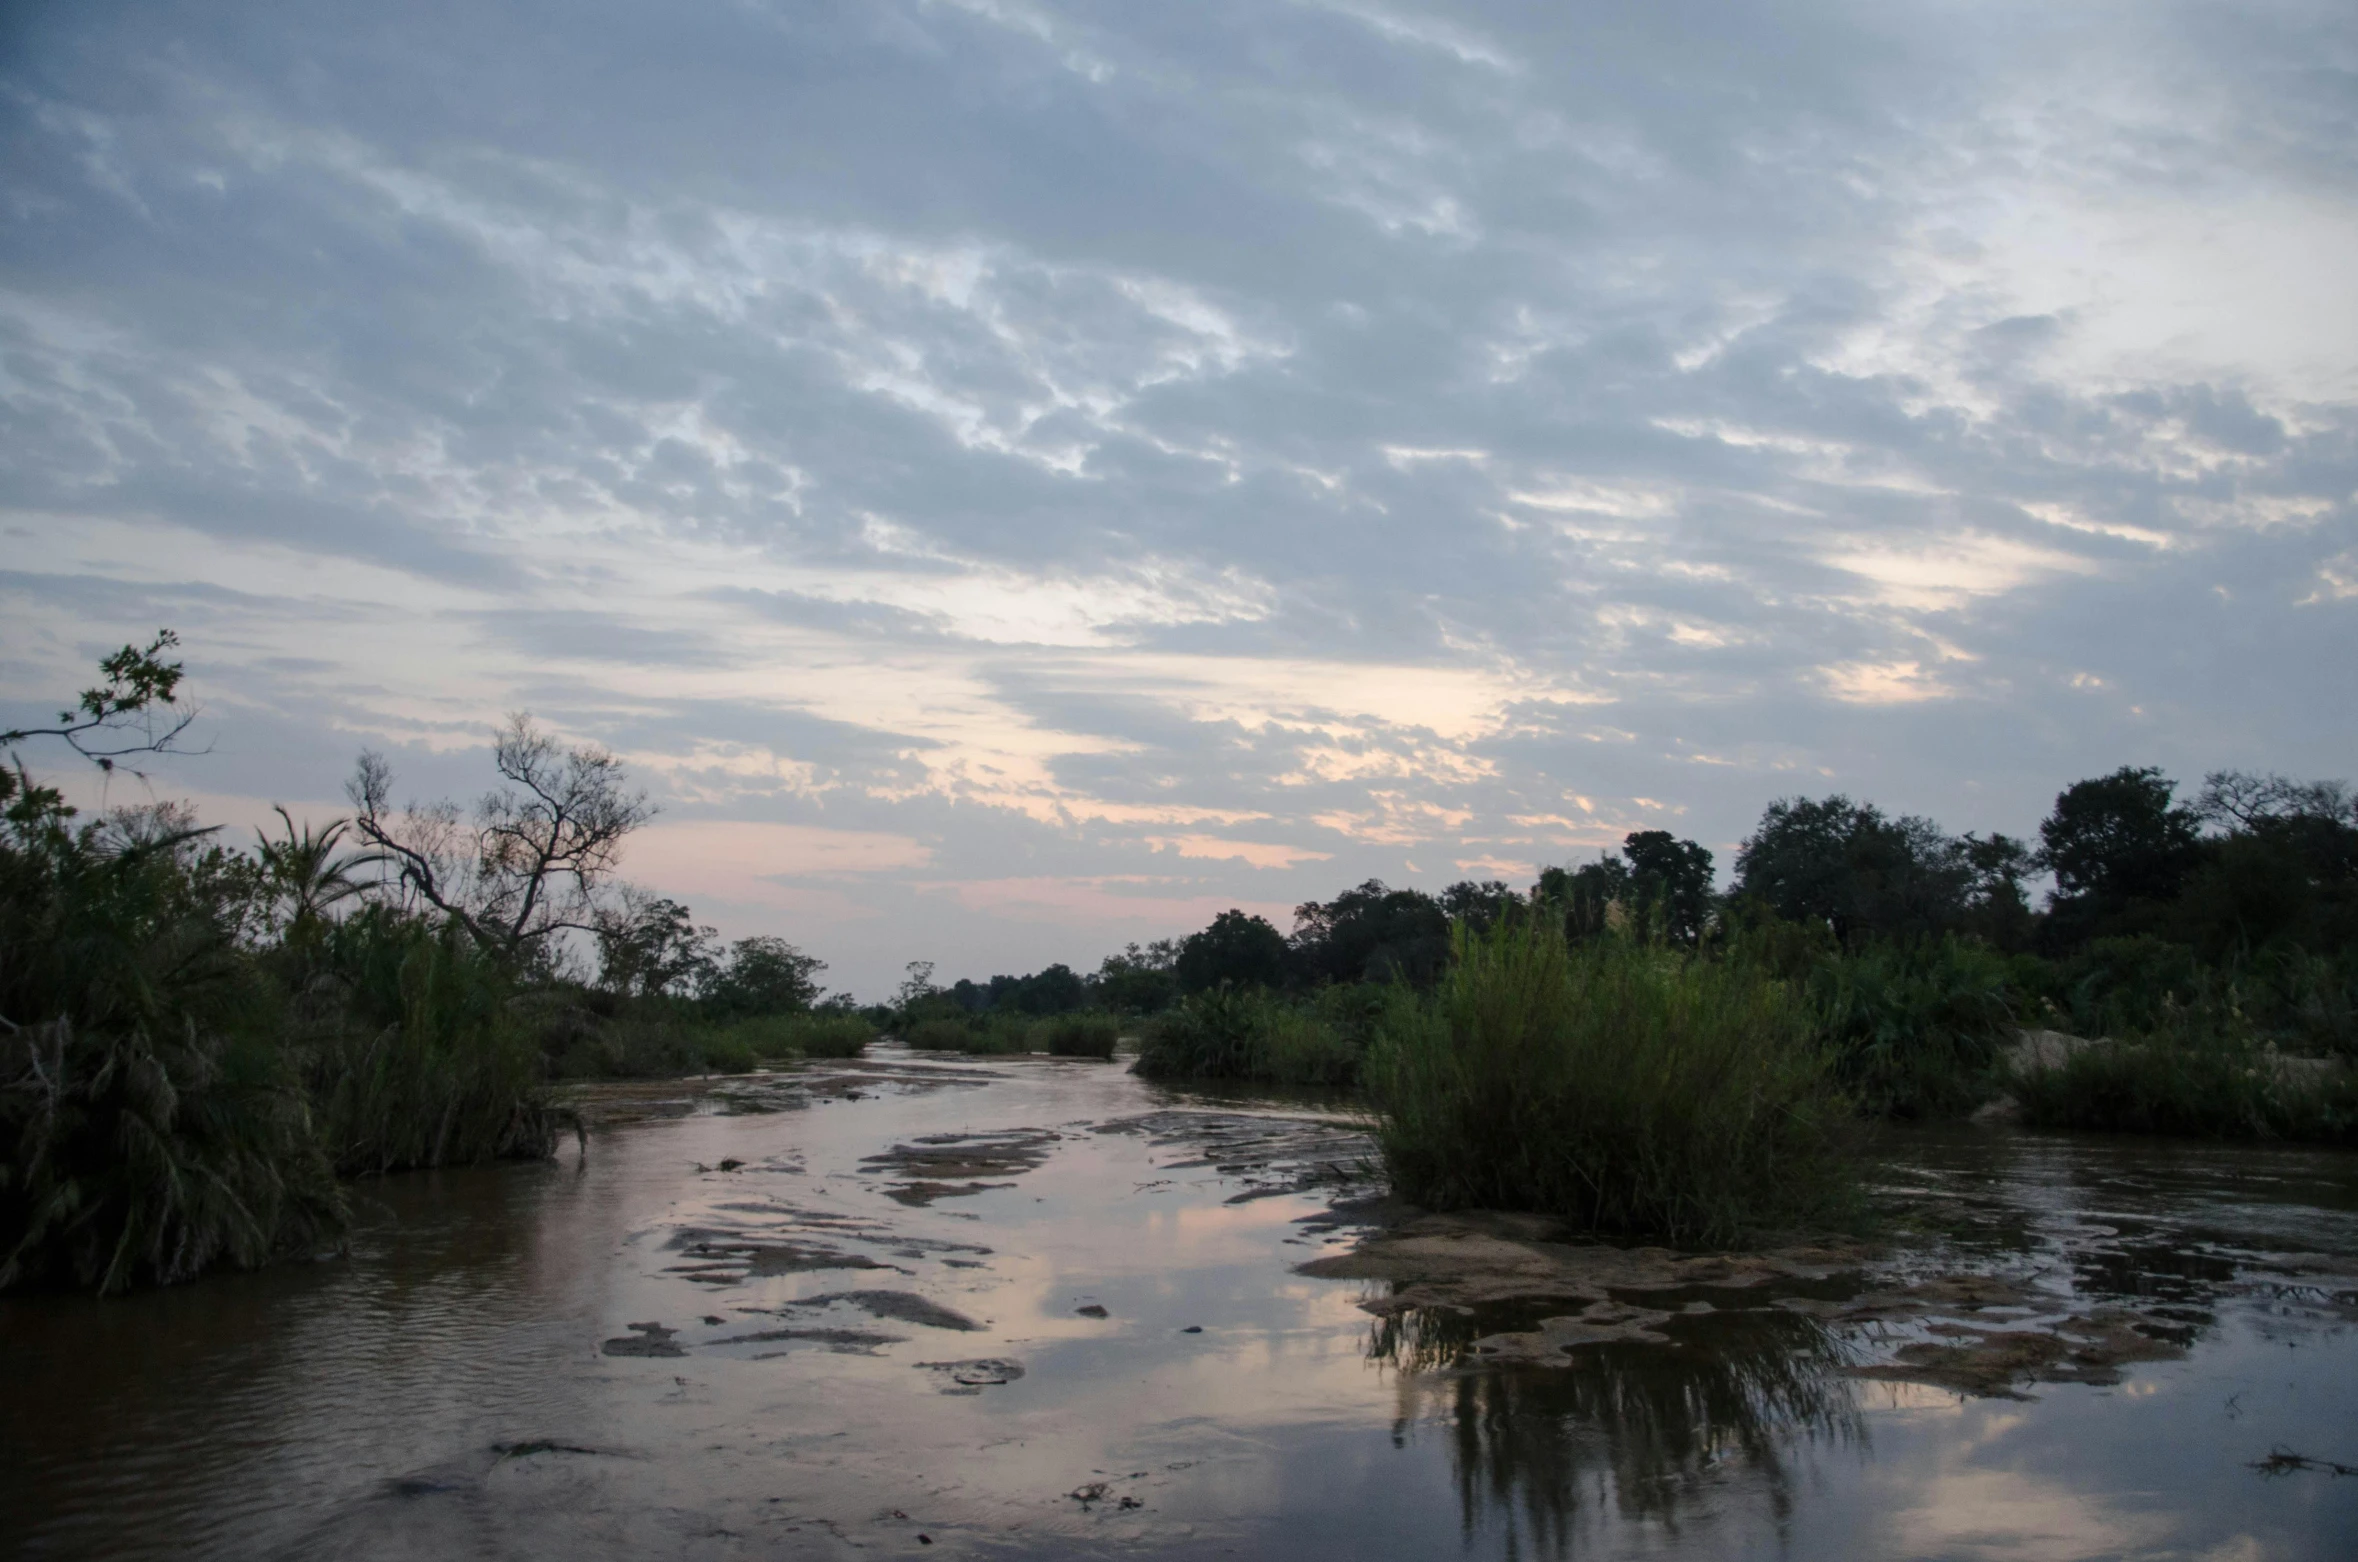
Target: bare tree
533, 857
2235, 797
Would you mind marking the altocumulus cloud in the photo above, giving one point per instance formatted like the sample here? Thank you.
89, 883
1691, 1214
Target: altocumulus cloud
1018, 476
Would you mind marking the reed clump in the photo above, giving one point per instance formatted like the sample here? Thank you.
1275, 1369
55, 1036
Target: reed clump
598, 1036
1917, 1028
415, 1050
2199, 1071
1248, 1034
1085, 1033
1630, 1089
983, 1035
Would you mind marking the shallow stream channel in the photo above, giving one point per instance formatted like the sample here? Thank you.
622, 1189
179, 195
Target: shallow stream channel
1031, 1307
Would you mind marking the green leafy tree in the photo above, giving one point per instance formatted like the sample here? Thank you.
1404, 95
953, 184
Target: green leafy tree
1237, 948
649, 946
1479, 903
1371, 933
1997, 910
764, 975
1850, 867
1585, 895
1672, 878
2116, 843
1142, 979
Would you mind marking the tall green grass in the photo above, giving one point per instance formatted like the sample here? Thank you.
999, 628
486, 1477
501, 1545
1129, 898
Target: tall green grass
980, 1034
419, 1056
1083, 1034
2200, 1071
1630, 1090
1243, 1033
656, 1038
1916, 1028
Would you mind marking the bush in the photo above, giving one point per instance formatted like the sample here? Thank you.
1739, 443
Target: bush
599, 1036
829, 1034
2120, 986
1246, 1034
151, 1125
941, 1035
419, 1056
1916, 1027
1085, 1034
1627, 1089
2200, 1073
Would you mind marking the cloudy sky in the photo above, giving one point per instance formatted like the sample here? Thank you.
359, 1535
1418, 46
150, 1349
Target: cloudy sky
1014, 477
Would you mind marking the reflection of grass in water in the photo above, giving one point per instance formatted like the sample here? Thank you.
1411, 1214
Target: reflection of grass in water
1649, 1427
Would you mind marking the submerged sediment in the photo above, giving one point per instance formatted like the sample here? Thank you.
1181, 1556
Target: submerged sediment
1973, 1332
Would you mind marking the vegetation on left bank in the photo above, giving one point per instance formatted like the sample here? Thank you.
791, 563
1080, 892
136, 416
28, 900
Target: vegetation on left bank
200, 1041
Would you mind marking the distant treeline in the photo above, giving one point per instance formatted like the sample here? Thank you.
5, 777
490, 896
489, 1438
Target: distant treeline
2254, 868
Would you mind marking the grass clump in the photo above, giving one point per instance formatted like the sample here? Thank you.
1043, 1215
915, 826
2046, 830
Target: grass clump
417, 1053
1628, 1089
984, 1034
1245, 1033
2199, 1072
940, 1035
824, 1033
1916, 1028
1082, 1034
595, 1036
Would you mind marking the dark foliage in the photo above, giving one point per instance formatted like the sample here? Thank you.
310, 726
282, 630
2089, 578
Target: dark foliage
1238, 949
762, 976
2119, 849
1371, 934
1139, 980
152, 1124
1056, 990
1866, 875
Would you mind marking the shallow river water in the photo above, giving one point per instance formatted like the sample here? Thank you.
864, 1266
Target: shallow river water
1039, 1308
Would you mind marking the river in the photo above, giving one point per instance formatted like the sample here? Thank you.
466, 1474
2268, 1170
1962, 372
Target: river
1040, 1308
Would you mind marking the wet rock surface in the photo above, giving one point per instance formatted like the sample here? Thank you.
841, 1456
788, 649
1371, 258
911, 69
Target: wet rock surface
901, 1306
970, 1377
1268, 1154
942, 1166
650, 1339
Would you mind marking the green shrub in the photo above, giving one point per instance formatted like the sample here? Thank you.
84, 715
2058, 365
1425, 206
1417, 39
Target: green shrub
940, 1035
594, 1035
1002, 1034
2299, 1000
2200, 1072
419, 1055
830, 1034
1916, 1027
1247, 1033
2120, 986
1082, 1034
151, 1125
773, 1037
1627, 1089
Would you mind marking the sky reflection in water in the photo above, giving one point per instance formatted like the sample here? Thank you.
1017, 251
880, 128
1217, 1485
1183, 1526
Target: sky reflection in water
358, 1408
